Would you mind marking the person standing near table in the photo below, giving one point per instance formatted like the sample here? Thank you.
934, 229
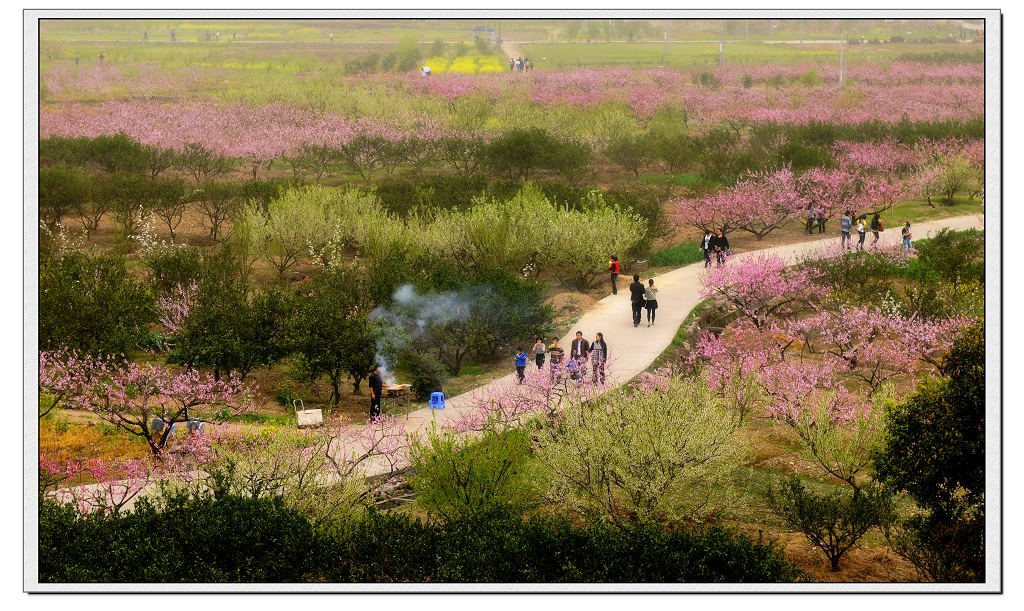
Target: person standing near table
651, 301
613, 269
376, 392
636, 298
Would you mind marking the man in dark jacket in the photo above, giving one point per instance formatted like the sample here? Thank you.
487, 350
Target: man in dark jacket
376, 391
636, 298
720, 246
580, 347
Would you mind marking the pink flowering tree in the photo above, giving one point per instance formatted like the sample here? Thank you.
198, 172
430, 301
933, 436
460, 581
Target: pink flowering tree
732, 363
873, 347
760, 287
102, 485
765, 201
138, 396
63, 374
759, 204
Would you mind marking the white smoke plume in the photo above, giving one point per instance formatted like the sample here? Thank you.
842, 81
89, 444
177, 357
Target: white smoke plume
410, 317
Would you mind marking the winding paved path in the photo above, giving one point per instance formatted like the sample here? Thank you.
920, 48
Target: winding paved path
632, 350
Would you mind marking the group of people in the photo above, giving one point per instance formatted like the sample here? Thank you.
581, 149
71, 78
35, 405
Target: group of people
518, 64
846, 227
580, 353
716, 244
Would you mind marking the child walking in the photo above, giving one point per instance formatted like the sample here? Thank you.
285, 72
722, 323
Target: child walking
520, 364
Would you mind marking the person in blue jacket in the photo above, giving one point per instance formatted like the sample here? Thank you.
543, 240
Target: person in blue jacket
520, 364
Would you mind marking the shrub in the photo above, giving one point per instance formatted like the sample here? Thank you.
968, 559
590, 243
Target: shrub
171, 267
179, 538
500, 547
276, 544
459, 477
958, 257
611, 456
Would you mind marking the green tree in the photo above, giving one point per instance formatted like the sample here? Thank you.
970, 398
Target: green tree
92, 304
230, 327
935, 451
61, 190
329, 330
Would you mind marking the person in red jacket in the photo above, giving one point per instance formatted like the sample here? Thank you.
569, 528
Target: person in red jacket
613, 268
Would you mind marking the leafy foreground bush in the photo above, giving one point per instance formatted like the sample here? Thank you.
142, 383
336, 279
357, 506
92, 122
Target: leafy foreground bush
244, 540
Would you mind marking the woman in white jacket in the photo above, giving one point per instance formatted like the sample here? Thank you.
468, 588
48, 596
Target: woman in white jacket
651, 303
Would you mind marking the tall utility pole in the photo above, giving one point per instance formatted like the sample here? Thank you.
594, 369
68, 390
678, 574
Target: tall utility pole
665, 60
801, 32
746, 22
721, 45
842, 60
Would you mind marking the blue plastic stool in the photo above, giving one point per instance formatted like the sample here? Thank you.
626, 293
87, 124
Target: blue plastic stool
437, 400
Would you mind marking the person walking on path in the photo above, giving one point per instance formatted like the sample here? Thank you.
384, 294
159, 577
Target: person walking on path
876, 226
907, 244
651, 301
861, 233
706, 247
598, 356
845, 224
520, 364
376, 392
613, 269
538, 350
720, 245
580, 347
636, 298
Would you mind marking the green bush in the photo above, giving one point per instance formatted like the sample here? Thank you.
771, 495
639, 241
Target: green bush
233, 539
499, 547
171, 267
179, 538
426, 374
956, 256
459, 477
